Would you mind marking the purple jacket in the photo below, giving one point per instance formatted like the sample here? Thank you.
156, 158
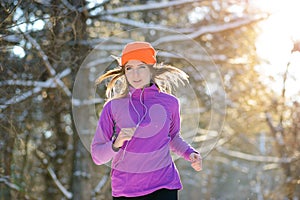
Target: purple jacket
144, 164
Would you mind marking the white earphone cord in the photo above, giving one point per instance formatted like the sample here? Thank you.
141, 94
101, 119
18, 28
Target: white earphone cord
139, 119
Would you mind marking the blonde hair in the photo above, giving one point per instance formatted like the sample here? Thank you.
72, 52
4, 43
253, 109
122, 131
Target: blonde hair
166, 77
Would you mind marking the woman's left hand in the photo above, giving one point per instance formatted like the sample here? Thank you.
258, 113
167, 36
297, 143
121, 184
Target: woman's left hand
196, 160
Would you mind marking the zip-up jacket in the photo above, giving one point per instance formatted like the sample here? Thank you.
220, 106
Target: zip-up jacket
143, 164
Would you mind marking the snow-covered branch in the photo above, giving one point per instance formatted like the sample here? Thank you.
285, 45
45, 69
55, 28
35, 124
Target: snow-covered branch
149, 6
131, 22
161, 53
38, 85
197, 57
257, 158
234, 165
139, 24
19, 98
40, 155
47, 64
11, 38
69, 6
78, 102
42, 54
210, 29
43, 84
66, 193
100, 184
99, 61
50, 83
9, 184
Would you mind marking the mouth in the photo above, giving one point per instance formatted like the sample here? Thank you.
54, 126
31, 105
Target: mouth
138, 81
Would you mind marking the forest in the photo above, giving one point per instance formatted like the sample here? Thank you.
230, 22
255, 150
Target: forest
52, 51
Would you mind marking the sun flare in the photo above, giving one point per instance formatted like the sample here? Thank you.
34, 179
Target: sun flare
275, 44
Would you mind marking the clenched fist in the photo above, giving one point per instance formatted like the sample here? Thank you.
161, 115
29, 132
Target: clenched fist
196, 160
124, 135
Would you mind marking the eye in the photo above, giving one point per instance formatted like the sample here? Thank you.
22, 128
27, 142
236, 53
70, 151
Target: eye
128, 68
142, 66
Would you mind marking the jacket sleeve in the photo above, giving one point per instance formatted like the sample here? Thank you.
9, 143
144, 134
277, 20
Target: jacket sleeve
101, 147
177, 144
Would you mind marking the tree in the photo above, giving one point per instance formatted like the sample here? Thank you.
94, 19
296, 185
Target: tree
44, 151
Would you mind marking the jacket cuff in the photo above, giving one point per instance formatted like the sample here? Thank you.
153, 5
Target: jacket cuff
114, 148
187, 154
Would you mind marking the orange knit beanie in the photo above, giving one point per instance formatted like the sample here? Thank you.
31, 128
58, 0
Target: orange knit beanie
142, 51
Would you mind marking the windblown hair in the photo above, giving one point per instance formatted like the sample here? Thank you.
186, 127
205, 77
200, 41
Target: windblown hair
166, 77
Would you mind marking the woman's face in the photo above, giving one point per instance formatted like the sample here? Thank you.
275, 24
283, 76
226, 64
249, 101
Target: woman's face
137, 73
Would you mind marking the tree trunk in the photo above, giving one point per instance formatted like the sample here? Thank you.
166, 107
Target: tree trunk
80, 183
6, 157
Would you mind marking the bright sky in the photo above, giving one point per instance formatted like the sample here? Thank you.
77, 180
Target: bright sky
276, 42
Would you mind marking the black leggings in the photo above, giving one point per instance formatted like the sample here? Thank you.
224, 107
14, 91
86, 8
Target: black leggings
162, 194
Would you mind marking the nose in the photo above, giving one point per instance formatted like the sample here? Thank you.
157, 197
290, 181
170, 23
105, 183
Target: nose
136, 72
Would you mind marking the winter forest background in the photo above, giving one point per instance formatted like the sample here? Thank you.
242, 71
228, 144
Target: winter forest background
247, 122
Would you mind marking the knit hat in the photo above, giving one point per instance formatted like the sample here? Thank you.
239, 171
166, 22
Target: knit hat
142, 51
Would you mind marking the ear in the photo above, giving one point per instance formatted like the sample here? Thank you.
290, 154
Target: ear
117, 58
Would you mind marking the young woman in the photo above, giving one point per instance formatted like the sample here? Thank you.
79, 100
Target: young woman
139, 125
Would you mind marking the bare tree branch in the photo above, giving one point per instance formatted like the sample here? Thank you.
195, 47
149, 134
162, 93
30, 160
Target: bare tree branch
228, 162
11, 12
275, 130
66, 193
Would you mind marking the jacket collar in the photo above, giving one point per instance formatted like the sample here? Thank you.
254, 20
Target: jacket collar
146, 92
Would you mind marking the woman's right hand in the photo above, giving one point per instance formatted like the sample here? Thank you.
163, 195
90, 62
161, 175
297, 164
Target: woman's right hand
124, 135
